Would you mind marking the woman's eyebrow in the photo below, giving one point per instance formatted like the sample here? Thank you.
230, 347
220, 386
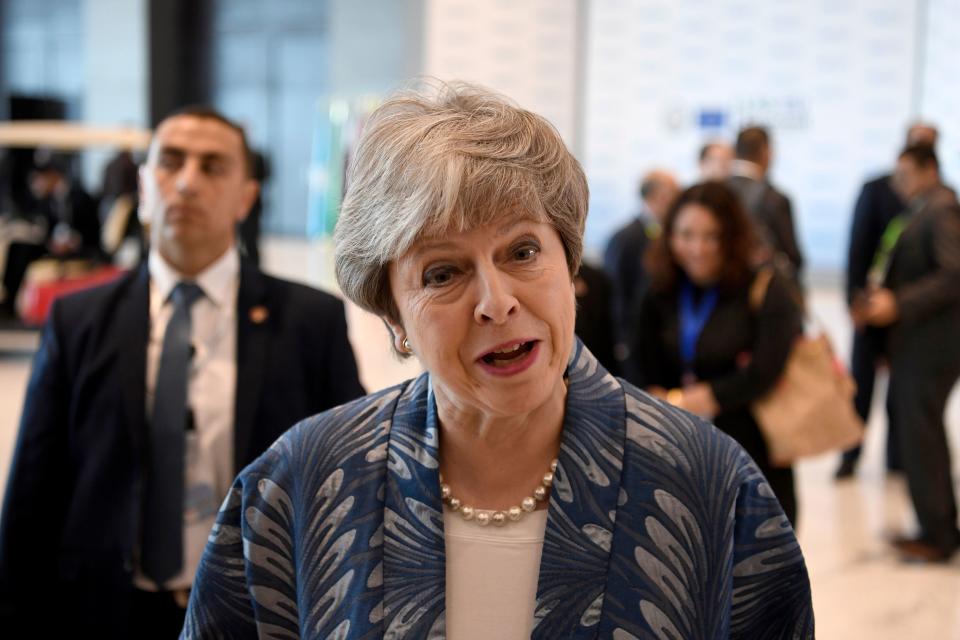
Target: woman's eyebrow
440, 244
425, 247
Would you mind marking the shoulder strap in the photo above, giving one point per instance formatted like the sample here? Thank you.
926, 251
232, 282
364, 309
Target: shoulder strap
758, 289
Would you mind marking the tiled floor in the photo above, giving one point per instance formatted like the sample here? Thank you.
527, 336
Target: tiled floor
860, 590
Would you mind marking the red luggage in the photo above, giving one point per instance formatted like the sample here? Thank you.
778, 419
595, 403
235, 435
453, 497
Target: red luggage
44, 283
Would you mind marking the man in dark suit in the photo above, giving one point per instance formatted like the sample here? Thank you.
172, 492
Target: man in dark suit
146, 397
770, 209
919, 301
69, 217
623, 259
877, 204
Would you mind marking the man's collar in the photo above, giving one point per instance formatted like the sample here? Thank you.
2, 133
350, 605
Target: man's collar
920, 200
645, 215
747, 169
215, 280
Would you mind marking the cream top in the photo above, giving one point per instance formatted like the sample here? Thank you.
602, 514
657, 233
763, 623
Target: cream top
492, 575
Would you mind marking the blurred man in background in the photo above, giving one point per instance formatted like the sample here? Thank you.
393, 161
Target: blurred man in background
917, 297
877, 205
623, 259
770, 209
66, 217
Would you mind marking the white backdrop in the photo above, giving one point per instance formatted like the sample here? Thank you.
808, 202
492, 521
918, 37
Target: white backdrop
526, 50
633, 84
831, 79
941, 82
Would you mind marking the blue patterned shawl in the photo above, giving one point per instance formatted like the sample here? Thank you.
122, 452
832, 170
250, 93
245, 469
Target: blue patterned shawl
659, 526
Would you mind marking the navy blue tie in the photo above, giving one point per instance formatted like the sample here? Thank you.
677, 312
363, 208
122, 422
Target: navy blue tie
162, 550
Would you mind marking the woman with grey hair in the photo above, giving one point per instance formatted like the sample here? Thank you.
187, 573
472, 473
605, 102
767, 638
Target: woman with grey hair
515, 488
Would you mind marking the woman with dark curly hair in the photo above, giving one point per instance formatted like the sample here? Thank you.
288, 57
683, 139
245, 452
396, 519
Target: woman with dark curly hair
701, 342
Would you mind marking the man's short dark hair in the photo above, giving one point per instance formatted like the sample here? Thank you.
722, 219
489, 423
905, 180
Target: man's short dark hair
751, 143
649, 185
923, 155
206, 112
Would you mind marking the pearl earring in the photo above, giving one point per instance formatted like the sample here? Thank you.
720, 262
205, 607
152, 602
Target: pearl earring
406, 345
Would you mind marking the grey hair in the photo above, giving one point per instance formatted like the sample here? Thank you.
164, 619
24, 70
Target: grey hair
447, 159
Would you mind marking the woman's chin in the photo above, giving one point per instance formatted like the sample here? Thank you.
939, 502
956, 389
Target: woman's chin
704, 278
524, 394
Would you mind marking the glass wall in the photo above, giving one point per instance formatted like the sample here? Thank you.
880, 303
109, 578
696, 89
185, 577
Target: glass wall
43, 51
296, 72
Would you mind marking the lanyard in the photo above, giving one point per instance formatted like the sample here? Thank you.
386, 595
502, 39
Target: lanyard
884, 254
693, 317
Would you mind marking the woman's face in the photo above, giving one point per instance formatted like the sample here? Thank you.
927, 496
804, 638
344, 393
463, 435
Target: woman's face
489, 313
695, 243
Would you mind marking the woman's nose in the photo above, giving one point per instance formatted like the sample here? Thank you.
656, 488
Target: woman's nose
700, 245
496, 301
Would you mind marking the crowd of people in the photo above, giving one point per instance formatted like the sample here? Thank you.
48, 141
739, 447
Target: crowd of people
587, 505
682, 271
518, 487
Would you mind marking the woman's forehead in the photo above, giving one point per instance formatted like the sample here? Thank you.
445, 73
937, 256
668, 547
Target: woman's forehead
500, 222
452, 234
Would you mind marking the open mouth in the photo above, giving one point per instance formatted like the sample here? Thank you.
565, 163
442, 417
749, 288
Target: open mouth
509, 355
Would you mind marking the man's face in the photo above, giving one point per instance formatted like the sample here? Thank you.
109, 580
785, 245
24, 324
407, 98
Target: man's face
661, 199
922, 134
716, 163
910, 179
43, 183
194, 189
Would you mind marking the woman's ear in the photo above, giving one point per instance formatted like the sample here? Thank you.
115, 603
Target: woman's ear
398, 334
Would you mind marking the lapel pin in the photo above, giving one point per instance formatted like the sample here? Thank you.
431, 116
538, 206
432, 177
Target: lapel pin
259, 314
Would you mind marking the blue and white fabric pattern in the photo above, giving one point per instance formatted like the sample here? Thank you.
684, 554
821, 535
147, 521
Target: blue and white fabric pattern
659, 526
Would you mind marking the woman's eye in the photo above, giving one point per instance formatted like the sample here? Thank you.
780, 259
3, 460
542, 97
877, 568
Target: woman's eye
437, 277
526, 252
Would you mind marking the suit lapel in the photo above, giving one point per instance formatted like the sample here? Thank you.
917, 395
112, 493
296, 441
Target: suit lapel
253, 342
133, 317
583, 504
414, 584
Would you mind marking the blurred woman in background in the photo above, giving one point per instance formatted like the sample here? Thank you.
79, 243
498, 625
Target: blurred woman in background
701, 343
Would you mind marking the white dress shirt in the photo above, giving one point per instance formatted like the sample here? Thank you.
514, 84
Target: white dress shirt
212, 382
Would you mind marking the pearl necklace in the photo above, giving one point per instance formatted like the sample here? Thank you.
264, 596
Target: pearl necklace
499, 518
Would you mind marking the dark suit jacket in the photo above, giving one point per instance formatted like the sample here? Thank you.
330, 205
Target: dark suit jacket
72, 514
876, 206
80, 213
594, 324
773, 213
623, 262
924, 275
